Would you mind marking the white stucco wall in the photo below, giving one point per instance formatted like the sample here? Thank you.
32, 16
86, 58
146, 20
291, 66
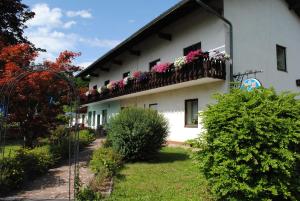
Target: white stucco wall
172, 105
258, 26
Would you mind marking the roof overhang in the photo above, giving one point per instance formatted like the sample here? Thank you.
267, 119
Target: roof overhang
154, 27
294, 5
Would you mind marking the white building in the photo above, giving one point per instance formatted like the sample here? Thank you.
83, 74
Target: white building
265, 36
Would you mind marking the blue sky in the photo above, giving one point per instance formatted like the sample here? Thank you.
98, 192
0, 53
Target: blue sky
91, 27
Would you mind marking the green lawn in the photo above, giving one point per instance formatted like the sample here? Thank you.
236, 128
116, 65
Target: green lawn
10, 148
172, 177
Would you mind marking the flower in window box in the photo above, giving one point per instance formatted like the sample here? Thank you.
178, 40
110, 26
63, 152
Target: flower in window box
125, 80
104, 89
100, 90
179, 62
161, 67
193, 55
111, 85
136, 74
143, 77
121, 84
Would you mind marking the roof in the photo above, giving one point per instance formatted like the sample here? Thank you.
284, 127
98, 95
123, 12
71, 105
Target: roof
182, 8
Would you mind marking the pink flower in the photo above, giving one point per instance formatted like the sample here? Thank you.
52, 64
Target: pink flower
161, 68
121, 84
193, 55
136, 74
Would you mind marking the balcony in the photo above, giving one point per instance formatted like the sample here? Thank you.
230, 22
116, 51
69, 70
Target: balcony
203, 67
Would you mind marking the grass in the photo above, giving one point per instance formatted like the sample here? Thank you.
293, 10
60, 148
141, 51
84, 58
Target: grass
172, 176
10, 148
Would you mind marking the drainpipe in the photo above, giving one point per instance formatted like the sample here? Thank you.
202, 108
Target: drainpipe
212, 11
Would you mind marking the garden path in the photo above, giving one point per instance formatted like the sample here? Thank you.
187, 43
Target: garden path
55, 184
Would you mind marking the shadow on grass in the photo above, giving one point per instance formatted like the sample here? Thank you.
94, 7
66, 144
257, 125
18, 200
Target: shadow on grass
169, 157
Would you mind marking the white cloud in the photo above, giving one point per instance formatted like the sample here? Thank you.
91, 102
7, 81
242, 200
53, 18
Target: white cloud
131, 21
80, 13
103, 43
85, 64
69, 24
44, 16
47, 30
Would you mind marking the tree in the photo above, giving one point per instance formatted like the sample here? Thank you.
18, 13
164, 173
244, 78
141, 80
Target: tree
13, 15
37, 99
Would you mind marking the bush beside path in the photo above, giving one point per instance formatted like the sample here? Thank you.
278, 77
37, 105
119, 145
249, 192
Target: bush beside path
55, 184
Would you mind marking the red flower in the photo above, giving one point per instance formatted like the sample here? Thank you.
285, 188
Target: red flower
193, 55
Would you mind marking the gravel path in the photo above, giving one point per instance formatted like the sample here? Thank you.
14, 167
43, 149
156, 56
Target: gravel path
55, 184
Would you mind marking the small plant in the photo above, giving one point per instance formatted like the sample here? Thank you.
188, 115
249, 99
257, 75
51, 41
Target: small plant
87, 194
193, 55
137, 133
180, 62
106, 160
161, 67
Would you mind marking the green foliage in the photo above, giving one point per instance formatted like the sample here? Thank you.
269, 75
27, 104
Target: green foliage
87, 194
11, 174
251, 148
24, 165
85, 138
136, 133
106, 160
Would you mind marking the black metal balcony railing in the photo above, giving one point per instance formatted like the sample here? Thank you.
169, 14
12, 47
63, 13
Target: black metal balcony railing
200, 68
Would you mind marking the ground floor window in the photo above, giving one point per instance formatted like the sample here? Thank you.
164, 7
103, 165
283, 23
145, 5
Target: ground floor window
98, 120
191, 113
94, 118
89, 118
153, 106
83, 119
104, 117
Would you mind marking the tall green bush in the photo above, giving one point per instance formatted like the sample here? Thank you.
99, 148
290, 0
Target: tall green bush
251, 148
136, 133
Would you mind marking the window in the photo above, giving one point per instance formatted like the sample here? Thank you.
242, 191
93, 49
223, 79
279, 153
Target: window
94, 118
98, 119
281, 58
191, 113
196, 46
106, 82
153, 63
153, 106
89, 118
126, 74
83, 119
104, 117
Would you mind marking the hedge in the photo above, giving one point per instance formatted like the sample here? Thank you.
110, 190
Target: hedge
251, 147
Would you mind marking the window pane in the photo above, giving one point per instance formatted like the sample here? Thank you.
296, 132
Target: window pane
196, 46
89, 118
191, 113
104, 117
94, 118
281, 58
153, 106
153, 63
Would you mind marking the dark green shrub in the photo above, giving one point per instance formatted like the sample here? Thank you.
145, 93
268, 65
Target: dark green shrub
137, 133
12, 175
105, 160
251, 150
